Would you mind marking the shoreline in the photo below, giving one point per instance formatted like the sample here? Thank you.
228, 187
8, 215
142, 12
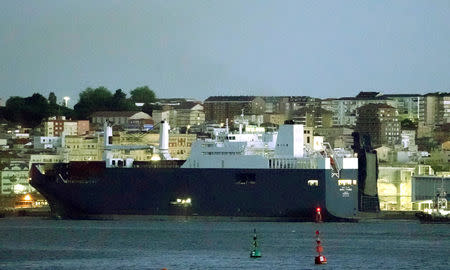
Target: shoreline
45, 212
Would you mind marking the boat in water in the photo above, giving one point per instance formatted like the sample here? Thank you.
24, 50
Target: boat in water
255, 176
438, 214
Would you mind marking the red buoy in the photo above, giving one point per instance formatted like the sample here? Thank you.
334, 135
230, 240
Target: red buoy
319, 259
318, 215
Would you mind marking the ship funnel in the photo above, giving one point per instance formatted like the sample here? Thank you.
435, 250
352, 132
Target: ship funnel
107, 133
164, 140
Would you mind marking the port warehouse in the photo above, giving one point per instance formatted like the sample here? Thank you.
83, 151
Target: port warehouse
409, 188
424, 189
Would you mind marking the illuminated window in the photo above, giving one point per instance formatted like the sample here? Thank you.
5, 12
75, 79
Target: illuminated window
345, 182
313, 183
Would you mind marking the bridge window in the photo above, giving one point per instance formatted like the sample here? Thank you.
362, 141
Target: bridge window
313, 183
345, 182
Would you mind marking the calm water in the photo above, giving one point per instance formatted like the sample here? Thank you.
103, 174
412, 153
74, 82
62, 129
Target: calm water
131, 243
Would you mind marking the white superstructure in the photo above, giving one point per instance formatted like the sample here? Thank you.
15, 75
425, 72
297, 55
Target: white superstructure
284, 149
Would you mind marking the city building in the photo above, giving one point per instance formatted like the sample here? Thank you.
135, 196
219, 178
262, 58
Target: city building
56, 127
408, 139
444, 109
345, 109
441, 155
14, 178
220, 108
425, 188
275, 118
406, 188
180, 145
121, 118
423, 130
295, 103
83, 148
83, 127
385, 154
435, 109
42, 142
190, 117
248, 119
276, 105
47, 158
136, 138
4, 143
380, 121
181, 114
408, 105
313, 117
161, 115
394, 187
337, 136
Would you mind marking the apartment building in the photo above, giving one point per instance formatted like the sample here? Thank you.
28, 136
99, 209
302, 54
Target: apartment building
435, 109
220, 108
380, 121
14, 178
55, 127
345, 109
121, 118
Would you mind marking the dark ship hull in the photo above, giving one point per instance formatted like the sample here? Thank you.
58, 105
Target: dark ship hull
87, 189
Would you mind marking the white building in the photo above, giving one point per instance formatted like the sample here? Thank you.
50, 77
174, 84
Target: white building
42, 142
14, 179
409, 139
344, 109
118, 117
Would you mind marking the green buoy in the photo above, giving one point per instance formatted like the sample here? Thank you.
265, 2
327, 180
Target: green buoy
255, 253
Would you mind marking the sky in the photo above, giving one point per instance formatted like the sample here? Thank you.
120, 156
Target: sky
195, 49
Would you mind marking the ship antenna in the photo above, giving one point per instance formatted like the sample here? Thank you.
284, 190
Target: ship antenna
242, 121
227, 129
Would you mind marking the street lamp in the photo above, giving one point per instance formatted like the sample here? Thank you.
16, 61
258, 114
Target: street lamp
66, 101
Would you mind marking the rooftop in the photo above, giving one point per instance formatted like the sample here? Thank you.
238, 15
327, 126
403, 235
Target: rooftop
229, 98
114, 113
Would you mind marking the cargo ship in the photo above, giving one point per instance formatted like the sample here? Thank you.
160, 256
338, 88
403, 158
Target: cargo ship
268, 176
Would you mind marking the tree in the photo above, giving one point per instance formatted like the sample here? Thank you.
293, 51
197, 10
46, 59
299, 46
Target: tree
119, 102
29, 111
143, 94
52, 98
54, 108
407, 124
149, 108
92, 100
36, 109
13, 107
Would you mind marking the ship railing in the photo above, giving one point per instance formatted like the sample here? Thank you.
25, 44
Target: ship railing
293, 163
40, 169
62, 178
310, 163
